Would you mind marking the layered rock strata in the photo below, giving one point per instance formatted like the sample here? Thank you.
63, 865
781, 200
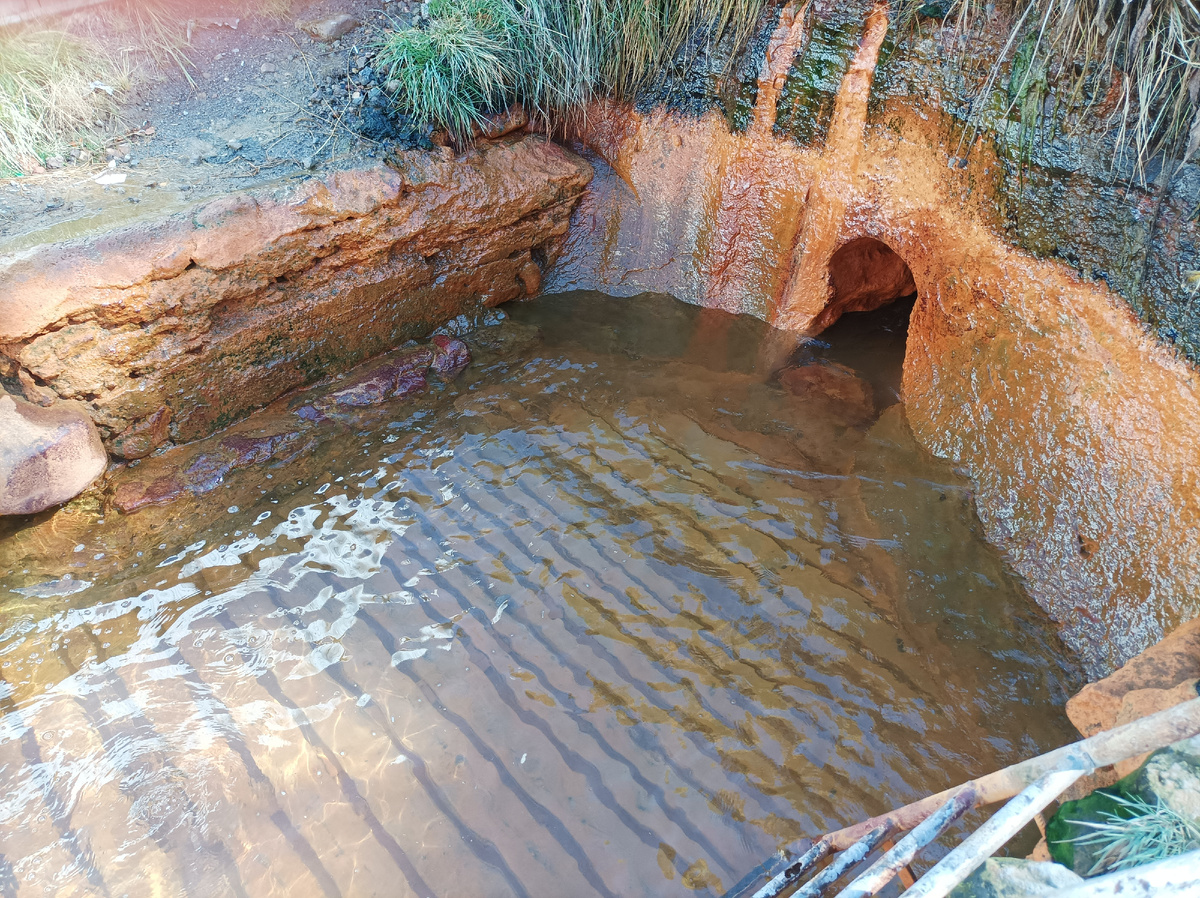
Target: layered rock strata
175, 329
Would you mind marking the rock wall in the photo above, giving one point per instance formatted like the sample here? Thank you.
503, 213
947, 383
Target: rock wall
1082, 432
174, 329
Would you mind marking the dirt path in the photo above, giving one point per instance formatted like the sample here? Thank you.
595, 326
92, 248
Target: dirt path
265, 101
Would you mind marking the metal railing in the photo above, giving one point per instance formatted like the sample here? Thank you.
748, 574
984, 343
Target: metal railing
1028, 787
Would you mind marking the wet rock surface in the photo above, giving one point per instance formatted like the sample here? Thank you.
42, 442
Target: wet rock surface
1081, 429
218, 312
47, 455
275, 437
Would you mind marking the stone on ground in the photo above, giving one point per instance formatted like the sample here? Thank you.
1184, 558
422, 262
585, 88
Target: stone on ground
329, 29
47, 455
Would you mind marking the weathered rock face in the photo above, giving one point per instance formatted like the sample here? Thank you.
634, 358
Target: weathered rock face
1172, 775
47, 455
1160, 677
1006, 877
177, 329
1164, 675
1083, 433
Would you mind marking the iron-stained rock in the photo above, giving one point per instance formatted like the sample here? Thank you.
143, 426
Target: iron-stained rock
47, 455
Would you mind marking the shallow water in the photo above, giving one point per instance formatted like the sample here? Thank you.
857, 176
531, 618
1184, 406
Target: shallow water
614, 614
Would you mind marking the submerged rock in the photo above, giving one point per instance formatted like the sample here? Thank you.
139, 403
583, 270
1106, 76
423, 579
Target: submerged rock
452, 357
400, 377
47, 455
1006, 877
846, 395
202, 467
280, 433
140, 439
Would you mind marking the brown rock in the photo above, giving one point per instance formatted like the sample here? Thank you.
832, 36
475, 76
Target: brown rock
1156, 679
531, 278
224, 309
499, 124
34, 392
47, 455
834, 387
140, 439
1161, 677
329, 29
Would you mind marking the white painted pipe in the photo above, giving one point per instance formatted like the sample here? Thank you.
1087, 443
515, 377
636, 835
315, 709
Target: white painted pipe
1178, 877
1101, 750
990, 838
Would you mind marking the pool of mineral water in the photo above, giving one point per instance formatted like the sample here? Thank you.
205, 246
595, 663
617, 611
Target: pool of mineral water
619, 612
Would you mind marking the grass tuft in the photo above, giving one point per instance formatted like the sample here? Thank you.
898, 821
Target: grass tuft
1138, 834
474, 56
52, 88
1136, 62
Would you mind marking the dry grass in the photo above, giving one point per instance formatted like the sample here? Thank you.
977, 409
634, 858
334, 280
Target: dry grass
53, 87
1136, 62
55, 84
551, 55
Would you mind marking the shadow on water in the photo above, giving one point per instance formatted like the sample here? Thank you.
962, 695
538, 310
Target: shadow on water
617, 613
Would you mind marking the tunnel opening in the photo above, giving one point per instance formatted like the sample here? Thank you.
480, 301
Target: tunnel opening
865, 274
864, 329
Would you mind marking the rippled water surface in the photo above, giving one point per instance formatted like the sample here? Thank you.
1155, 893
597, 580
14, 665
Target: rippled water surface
615, 613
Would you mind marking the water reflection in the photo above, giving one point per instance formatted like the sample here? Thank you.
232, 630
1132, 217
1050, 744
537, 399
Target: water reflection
613, 614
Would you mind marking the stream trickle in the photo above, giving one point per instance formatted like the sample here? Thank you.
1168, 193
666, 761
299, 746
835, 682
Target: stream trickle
615, 613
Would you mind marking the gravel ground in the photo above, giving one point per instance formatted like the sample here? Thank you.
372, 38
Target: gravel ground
266, 102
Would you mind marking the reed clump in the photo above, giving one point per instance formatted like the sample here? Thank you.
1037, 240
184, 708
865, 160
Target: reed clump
1134, 62
53, 87
1138, 832
473, 56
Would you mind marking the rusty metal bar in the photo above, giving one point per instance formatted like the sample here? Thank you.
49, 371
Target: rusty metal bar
847, 859
885, 869
1104, 749
1101, 750
990, 838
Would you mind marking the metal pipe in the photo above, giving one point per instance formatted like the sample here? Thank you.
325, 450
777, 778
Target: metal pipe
793, 871
1101, 750
989, 838
884, 869
1177, 876
847, 859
